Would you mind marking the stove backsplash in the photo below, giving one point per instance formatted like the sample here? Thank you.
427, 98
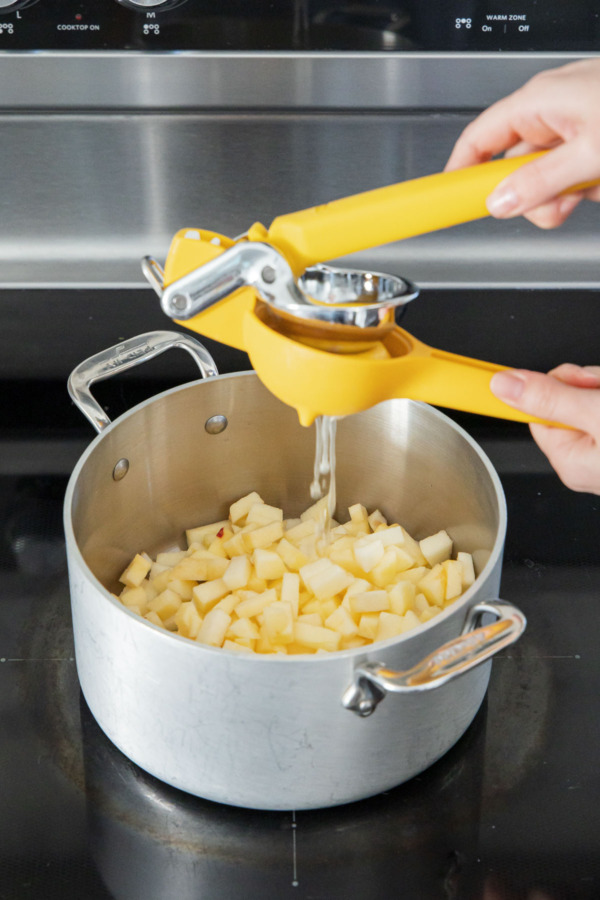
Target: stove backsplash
93, 181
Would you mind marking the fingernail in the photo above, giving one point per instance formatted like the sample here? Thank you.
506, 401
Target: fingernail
502, 202
508, 386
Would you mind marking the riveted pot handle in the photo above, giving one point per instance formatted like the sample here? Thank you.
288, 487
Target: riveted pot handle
126, 355
476, 644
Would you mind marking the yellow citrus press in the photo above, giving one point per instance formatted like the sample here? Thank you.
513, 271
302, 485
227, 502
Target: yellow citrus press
324, 339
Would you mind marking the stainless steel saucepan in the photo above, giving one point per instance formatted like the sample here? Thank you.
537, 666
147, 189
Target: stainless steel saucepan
251, 730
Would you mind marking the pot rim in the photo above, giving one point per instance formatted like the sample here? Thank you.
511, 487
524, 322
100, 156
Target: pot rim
275, 659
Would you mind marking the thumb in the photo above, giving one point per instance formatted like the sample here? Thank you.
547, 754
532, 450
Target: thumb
548, 398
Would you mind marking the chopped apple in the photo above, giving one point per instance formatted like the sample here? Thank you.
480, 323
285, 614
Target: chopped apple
240, 509
238, 573
165, 604
468, 569
437, 547
268, 564
263, 514
206, 595
316, 636
136, 571
214, 627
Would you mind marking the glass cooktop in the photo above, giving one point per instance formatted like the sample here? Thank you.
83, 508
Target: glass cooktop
511, 812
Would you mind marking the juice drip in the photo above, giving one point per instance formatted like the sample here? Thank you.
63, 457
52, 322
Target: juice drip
323, 482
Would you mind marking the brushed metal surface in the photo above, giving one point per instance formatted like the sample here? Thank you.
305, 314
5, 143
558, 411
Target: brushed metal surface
86, 196
128, 80
268, 733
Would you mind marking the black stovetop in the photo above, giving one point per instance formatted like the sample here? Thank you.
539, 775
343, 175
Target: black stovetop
512, 809
511, 812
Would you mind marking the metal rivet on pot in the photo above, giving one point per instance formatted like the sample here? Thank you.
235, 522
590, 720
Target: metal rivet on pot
216, 424
121, 469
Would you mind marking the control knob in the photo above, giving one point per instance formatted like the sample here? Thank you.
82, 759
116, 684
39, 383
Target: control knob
10, 5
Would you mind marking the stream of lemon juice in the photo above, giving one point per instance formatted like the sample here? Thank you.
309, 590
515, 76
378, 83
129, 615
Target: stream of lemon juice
323, 483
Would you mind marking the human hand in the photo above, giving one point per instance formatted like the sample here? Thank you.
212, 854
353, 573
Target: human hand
569, 394
558, 110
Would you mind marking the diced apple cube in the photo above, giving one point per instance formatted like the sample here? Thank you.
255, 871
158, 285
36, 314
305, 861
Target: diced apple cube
394, 561
370, 602
341, 620
324, 578
414, 574
236, 647
437, 547
136, 571
318, 511
188, 620
252, 603
170, 558
279, 622
263, 514
390, 625
402, 596
263, 536
429, 613
376, 519
411, 620
234, 546
454, 573
468, 569
433, 585
305, 528
367, 626
214, 627
358, 514
293, 558
243, 628
312, 618
421, 604
217, 546
344, 557
268, 565
154, 618
207, 594
228, 603
183, 588
204, 533
134, 596
290, 590
368, 553
316, 636
165, 604
240, 509
238, 572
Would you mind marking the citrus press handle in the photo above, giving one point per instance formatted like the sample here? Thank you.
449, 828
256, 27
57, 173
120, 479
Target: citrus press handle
387, 214
453, 381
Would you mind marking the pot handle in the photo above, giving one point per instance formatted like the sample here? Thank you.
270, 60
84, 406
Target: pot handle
476, 644
126, 355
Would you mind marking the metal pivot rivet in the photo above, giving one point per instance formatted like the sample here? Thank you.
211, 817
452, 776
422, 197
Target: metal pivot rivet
268, 274
121, 469
365, 708
179, 302
216, 424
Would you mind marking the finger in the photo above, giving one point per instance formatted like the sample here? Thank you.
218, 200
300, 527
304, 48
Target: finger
486, 136
548, 398
577, 376
542, 180
574, 456
553, 214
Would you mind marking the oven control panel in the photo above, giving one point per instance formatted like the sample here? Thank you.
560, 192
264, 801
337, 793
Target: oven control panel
300, 25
